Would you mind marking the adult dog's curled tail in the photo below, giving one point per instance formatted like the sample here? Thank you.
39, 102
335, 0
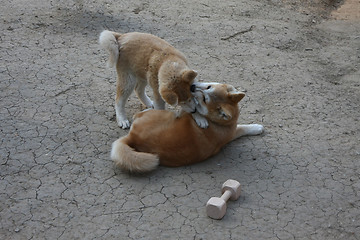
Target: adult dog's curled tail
109, 41
129, 159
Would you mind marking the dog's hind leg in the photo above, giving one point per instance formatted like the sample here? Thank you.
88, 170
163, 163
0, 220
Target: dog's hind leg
125, 86
250, 129
140, 92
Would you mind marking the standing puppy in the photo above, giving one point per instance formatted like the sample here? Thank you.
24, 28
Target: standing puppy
142, 58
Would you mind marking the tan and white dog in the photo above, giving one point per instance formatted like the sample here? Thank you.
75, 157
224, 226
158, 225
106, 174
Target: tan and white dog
142, 59
160, 137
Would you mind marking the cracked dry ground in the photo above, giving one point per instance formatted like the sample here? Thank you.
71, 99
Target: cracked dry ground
300, 70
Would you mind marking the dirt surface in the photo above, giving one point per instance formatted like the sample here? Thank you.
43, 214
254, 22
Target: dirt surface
300, 70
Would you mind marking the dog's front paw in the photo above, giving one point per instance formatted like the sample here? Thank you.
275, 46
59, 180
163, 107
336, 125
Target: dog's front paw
255, 129
124, 124
151, 106
200, 120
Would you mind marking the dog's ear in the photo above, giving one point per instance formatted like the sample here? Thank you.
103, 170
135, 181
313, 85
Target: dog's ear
236, 96
189, 75
169, 97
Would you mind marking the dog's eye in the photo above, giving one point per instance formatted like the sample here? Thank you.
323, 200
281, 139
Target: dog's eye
208, 87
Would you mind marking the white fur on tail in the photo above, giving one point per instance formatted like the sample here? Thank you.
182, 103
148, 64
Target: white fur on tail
128, 159
108, 41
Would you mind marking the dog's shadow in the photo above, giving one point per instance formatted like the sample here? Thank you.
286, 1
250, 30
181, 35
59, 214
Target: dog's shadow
88, 22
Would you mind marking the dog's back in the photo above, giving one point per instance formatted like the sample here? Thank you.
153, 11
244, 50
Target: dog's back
137, 48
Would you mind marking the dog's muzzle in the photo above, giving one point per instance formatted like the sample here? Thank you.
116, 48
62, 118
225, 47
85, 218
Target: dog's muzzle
192, 88
196, 101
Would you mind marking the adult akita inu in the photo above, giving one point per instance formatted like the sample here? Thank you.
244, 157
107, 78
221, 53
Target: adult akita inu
142, 58
160, 137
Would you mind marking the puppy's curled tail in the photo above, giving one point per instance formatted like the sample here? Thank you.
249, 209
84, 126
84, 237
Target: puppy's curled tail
129, 159
108, 40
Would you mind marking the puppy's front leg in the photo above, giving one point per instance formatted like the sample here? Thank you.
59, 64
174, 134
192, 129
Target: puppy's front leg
158, 101
140, 91
200, 120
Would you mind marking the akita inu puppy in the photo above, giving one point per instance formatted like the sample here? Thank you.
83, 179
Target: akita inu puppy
142, 58
160, 137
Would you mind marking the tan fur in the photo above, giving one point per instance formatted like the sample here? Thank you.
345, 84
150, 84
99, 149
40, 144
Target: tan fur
142, 59
176, 141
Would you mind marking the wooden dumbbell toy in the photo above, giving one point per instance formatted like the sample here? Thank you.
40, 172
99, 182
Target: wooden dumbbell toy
216, 207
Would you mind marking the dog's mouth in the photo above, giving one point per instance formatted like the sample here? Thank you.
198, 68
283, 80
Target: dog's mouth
200, 102
199, 94
196, 104
190, 105
201, 99
196, 101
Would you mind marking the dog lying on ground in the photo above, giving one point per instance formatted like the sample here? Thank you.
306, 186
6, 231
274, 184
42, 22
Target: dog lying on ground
142, 58
160, 137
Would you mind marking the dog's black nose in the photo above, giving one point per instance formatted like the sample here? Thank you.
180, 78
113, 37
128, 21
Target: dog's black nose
192, 88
